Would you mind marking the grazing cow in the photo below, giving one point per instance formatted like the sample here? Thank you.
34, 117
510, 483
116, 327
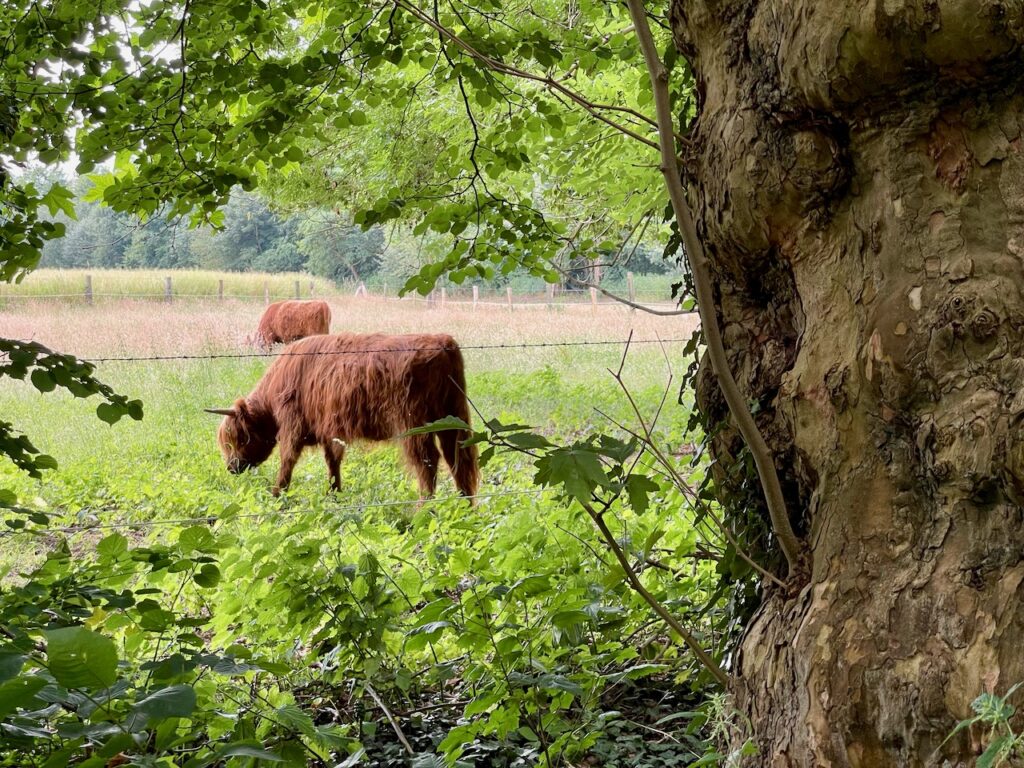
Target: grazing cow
287, 321
331, 390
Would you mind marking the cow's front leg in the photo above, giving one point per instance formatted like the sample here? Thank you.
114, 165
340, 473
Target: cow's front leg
290, 449
334, 452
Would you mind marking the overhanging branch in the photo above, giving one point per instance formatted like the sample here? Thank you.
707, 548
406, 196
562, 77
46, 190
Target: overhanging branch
596, 110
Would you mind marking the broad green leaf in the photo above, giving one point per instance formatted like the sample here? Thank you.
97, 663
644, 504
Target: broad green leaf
639, 488
998, 749
80, 658
249, 749
441, 425
43, 380
197, 538
19, 692
109, 413
59, 198
173, 701
208, 576
578, 470
291, 716
11, 662
112, 546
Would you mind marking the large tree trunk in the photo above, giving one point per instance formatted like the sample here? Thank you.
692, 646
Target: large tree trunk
858, 179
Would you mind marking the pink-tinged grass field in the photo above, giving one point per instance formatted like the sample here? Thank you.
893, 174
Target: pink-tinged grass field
143, 327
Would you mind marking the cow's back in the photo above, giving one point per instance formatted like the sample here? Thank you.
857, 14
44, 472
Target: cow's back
287, 321
364, 386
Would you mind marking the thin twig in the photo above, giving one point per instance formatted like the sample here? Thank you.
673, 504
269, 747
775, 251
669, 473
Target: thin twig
705, 659
389, 716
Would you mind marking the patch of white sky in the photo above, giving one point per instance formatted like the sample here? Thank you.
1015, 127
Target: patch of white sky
128, 23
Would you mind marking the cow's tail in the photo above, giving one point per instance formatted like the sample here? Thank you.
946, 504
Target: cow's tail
324, 318
462, 459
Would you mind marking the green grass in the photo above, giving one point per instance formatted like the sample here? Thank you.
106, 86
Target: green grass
167, 462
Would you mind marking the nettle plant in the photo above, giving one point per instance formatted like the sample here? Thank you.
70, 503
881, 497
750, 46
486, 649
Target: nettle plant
992, 722
103, 664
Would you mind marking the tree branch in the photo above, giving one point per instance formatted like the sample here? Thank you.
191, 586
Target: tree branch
551, 84
781, 526
389, 716
709, 663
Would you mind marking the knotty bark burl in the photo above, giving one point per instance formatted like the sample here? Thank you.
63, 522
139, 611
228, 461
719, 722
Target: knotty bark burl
858, 179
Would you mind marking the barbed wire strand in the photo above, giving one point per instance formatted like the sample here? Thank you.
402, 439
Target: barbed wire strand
162, 297
125, 524
328, 352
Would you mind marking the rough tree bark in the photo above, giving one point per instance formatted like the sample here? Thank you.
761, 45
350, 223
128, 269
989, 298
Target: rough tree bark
858, 179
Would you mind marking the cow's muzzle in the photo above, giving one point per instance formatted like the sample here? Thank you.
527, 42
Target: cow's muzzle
238, 466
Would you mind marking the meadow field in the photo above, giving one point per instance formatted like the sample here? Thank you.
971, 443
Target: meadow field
191, 284
486, 635
118, 284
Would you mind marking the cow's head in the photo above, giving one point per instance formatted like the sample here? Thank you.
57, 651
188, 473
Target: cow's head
246, 437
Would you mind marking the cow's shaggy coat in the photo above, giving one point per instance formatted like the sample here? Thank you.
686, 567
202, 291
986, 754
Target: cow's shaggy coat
287, 321
332, 390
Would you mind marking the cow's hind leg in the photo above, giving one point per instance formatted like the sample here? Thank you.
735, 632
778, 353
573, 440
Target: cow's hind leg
461, 460
422, 453
334, 452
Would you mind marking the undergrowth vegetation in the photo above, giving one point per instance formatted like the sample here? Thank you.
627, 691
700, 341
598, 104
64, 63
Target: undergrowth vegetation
160, 611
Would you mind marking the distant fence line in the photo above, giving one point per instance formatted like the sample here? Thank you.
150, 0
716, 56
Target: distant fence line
439, 297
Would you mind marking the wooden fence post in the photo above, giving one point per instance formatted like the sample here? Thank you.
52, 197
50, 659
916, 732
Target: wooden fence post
220, 290
167, 289
476, 296
266, 292
593, 298
298, 292
550, 291
384, 291
311, 289
444, 296
88, 289
508, 294
630, 289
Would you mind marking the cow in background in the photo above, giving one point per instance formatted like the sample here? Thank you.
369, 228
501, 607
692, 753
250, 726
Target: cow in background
332, 390
287, 321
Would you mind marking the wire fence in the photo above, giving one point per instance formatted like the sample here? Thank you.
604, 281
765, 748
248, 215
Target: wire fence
519, 302
373, 351
442, 296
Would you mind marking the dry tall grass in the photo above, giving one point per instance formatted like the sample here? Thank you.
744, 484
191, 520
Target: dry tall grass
151, 283
126, 327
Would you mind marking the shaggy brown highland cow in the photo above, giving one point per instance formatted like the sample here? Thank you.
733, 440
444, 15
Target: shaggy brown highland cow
287, 321
331, 390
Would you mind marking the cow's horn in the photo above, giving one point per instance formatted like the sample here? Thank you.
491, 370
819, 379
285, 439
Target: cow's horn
221, 411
